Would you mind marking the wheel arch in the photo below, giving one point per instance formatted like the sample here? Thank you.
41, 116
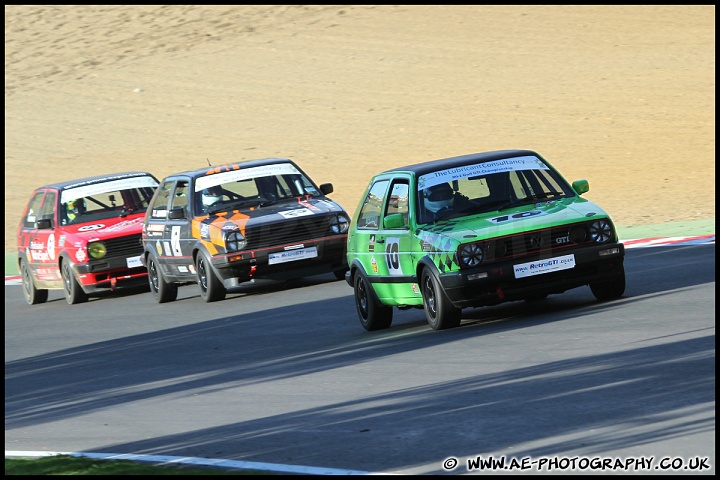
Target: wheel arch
357, 268
423, 263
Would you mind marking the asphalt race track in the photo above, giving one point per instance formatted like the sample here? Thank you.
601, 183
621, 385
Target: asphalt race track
284, 375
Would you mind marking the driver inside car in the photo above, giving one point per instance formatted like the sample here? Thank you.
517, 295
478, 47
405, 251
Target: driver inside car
437, 198
212, 195
74, 208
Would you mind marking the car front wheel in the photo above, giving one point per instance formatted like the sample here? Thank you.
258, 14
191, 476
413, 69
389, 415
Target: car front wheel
439, 311
211, 288
33, 295
73, 291
161, 290
372, 314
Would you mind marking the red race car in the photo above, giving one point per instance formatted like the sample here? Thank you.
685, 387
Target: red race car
84, 236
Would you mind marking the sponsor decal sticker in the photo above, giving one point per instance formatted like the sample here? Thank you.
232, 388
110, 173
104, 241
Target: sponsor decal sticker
88, 228
544, 266
299, 212
133, 262
292, 255
481, 169
123, 225
516, 216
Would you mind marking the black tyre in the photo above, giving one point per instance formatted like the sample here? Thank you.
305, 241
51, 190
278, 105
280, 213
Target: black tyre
372, 314
161, 289
211, 288
33, 295
610, 289
74, 293
439, 311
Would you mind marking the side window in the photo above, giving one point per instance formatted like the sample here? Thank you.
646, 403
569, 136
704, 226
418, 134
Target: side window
160, 205
398, 202
180, 198
369, 216
47, 210
33, 210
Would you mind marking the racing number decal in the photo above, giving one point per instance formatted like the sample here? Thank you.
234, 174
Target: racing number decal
51, 247
392, 256
175, 241
516, 216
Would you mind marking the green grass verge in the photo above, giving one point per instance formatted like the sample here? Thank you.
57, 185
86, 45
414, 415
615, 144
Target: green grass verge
70, 465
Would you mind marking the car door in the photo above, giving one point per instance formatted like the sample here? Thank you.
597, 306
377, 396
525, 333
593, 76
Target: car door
168, 230
384, 252
396, 241
38, 238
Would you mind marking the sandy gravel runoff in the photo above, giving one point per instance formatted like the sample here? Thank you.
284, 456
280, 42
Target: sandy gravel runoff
623, 96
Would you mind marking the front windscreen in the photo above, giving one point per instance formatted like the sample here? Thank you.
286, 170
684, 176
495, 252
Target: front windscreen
484, 187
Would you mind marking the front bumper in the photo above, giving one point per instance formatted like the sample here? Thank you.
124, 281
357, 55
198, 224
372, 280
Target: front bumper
500, 285
234, 269
111, 273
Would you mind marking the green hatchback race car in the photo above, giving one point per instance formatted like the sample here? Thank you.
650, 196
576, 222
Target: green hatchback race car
476, 230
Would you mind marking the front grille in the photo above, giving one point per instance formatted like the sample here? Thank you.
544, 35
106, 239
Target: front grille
122, 247
549, 241
288, 231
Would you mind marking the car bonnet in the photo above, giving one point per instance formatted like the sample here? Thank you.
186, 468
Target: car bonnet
512, 221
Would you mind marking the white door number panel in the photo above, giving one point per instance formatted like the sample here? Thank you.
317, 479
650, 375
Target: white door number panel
392, 255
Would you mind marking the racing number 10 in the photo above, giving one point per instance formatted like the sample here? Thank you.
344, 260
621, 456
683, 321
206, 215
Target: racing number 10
392, 256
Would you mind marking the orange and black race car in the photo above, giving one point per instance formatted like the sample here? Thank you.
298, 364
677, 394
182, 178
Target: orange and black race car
222, 226
83, 236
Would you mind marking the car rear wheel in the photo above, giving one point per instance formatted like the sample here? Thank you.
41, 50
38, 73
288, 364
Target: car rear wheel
33, 295
610, 289
439, 311
211, 288
372, 314
161, 290
74, 293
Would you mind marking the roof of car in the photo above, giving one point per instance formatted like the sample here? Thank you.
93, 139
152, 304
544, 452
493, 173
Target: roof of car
96, 179
199, 172
444, 163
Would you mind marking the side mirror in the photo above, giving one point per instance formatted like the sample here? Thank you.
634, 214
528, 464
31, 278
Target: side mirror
396, 220
581, 186
176, 213
326, 188
44, 224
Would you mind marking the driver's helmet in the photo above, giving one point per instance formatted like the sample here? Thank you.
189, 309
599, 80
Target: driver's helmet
438, 197
74, 208
212, 195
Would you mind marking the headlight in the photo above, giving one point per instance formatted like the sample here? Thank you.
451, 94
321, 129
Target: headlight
234, 241
339, 224
470, 255
601, 231
97, 250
